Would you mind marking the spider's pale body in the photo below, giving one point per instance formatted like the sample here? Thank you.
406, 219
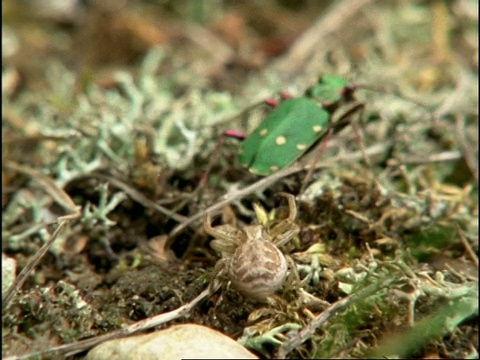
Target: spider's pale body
251, 259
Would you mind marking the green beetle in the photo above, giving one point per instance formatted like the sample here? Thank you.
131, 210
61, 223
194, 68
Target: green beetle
294, 127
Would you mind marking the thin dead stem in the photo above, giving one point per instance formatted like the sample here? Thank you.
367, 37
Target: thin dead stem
22, 277
142, 199
75, 348
263, 183
460, 92
311, 41
47, 184
329, 313
473, 256
62, 198
466, 149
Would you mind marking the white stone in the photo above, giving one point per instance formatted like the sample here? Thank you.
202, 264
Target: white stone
176, 342
9, 268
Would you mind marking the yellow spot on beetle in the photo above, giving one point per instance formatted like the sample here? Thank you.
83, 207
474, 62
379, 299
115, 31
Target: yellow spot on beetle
273, 168
281, 140
316, 128
301, 147
263, 132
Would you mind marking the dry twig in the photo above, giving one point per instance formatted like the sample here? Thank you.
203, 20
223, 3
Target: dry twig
326, 315
75, 348
468, 152
63, 200
266, 181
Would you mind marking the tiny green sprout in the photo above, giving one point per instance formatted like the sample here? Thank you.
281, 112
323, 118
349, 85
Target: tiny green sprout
294, 127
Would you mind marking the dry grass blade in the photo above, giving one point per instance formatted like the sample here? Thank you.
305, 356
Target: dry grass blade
311, 41
47, 184
466, 245
323, 317
19, 281
468, 151
142, 199
266, 181
75, 348
63, 200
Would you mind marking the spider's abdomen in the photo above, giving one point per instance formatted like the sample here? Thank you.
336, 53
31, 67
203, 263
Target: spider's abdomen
257, 269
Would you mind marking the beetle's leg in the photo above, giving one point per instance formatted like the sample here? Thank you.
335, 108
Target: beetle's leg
358, 134
211, 162
318, 155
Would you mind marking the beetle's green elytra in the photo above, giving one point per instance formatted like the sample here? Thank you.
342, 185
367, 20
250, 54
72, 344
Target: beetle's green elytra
328, 89
284, 135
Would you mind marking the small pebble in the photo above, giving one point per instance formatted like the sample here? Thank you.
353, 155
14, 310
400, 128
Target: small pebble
9, 268
176, 342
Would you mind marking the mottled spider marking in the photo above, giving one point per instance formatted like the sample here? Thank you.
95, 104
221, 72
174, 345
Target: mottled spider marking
251, 259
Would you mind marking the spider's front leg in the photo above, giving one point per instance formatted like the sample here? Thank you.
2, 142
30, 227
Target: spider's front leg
219, 275
288, 233
292, 207
293, 279
226, 236
286, 229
